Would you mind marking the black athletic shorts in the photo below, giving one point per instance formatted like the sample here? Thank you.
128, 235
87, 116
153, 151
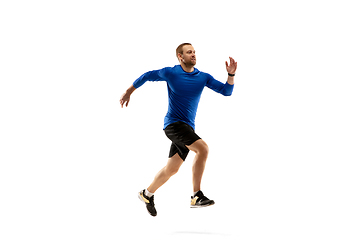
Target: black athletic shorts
180, 134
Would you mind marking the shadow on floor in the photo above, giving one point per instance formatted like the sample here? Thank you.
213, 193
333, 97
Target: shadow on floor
200, 233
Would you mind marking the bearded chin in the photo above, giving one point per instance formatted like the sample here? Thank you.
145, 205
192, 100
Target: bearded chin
190, 63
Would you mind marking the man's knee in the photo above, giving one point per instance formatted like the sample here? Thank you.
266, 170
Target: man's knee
204, 149
173, 165
200, 147
172, 170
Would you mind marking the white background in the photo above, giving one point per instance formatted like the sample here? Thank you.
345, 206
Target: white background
284, 148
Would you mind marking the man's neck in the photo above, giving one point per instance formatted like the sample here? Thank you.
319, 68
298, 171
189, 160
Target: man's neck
188, 69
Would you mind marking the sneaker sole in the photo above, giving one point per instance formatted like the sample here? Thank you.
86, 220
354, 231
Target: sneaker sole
201, 206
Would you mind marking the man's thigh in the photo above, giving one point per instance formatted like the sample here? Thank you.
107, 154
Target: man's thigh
198, 146
174, 162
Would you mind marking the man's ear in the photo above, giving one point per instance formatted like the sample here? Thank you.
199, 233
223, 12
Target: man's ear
180, 57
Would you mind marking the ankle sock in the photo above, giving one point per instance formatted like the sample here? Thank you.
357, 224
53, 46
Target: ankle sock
149, 194
195, 193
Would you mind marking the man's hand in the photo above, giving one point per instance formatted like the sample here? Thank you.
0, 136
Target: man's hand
232, 67
125, 98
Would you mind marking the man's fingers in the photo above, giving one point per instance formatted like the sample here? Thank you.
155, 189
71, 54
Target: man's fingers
233, 64
122, 102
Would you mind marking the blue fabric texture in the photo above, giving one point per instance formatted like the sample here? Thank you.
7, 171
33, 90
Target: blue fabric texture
184, 91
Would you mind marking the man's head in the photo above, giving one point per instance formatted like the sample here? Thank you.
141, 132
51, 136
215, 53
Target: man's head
186, 54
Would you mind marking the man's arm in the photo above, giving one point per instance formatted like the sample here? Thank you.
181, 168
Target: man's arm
154, 76
230, 80
227, 88
125, 98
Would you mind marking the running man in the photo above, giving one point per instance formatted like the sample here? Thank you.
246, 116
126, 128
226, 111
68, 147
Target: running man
185, 85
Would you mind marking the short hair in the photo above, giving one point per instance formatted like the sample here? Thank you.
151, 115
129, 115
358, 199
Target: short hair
179, 49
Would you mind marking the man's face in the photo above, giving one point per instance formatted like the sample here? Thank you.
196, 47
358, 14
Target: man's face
188, 57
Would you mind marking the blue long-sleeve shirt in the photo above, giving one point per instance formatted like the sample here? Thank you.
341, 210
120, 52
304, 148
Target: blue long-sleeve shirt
184, 90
